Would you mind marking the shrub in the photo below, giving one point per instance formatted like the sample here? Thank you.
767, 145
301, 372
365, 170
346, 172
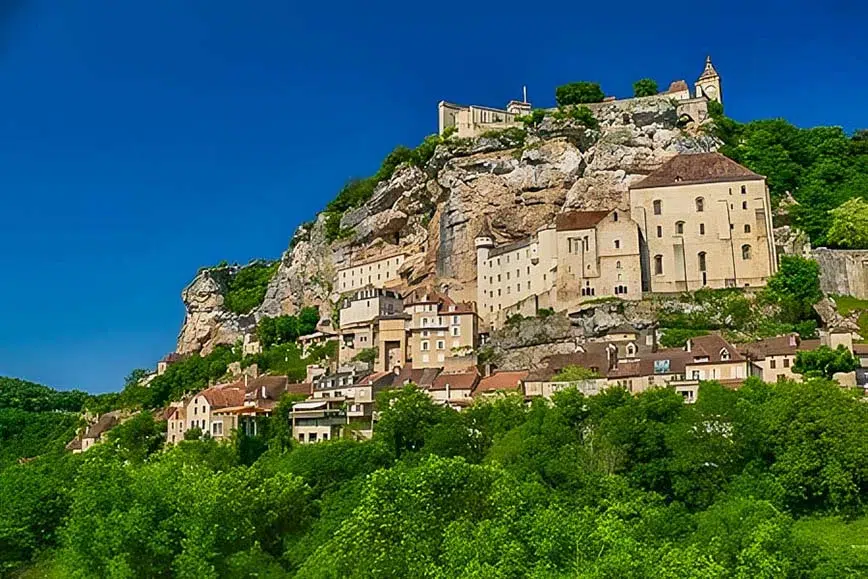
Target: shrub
581, 115
645, 87
576, 93
368, 356
677, 337
247, 287
510, 137
533, 119
574, 373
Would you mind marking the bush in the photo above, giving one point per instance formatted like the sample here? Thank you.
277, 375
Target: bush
509, 137
677, 337
247, 287
368, 356
576, 93
645, 87
533, 119
581, 115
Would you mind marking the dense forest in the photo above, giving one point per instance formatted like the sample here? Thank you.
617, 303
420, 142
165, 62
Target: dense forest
766, 481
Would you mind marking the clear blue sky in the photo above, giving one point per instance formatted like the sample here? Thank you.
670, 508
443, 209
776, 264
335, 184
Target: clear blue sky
142, 140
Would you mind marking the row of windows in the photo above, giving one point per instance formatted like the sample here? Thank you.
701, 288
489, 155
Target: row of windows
508, 290
657, 204
679, 229
746, 253
361, 268
517, 276
506, 258
441, 345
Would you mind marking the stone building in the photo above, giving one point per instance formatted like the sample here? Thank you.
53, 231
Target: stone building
441, 332
704, 221
359, 316
583, 255
376, 273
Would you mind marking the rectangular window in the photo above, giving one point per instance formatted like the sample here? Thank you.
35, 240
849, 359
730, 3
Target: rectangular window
786, 362
456, 331
659, 231
773, 364
441, 344
425, 345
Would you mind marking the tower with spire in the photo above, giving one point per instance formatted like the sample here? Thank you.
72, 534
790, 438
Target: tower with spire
708, 83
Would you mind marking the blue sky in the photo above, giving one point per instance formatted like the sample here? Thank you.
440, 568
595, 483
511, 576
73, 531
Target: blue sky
142, 140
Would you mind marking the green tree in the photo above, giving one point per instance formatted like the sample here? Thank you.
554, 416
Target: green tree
406, 415
824, 362
367, 355
138, 437
849, 228
795, 288
576, 93
573, 373
645, 87
246, 288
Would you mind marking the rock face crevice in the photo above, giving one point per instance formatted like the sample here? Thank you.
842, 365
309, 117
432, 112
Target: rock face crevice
433, 214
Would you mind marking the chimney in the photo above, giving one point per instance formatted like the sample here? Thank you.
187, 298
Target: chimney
794, 341
448, 391
246, 380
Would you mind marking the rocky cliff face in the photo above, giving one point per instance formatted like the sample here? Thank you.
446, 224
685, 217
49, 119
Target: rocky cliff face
434, 213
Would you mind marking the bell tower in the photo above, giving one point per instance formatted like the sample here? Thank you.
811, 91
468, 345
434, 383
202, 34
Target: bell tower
708, 84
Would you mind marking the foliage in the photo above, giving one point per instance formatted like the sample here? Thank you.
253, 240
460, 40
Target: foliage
795, 287
544, 313
574, 373
532, 119
576, 93
23, 395
282, 359
509, 137
514, 320
824, 362
849, 228
822, 167
190, 374
765, 481
285, 329
645, 87
367, 355
246, 289
581, 114
138, 437
677, 337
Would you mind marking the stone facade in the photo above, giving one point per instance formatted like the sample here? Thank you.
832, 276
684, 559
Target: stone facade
375, 273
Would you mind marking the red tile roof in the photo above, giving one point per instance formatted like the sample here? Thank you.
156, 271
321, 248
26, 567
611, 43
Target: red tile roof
305, 388
500, 381
693, 168
778, 346
677, 86
224, 395
457, 381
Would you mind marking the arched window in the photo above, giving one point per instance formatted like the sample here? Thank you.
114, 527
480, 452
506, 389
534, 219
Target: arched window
679, 228
745, 251
700, 204
747, 227
658, 207
744, 190
702, 265
658, 265
618, 264
631, 349
744, 204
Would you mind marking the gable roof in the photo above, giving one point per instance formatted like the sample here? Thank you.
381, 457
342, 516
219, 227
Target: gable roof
575, 220
105, 423
713, 346
500, 381
694, 168
457, 381
223, 396
778, 346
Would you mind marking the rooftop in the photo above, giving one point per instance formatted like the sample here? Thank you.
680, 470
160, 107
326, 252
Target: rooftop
697, 168
576, 220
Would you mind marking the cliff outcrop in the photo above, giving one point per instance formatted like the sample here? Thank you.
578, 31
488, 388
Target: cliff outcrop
514, 182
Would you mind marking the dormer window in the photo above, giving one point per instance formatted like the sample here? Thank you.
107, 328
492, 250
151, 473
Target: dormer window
631, 350
678, 179
724, 354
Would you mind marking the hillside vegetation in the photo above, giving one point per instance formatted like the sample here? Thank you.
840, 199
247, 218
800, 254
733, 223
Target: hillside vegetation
768, 481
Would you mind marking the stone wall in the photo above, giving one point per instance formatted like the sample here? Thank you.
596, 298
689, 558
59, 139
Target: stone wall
843, 271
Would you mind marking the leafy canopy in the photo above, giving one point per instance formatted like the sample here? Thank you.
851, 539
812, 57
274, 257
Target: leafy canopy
645, 87
849, 228
576, 93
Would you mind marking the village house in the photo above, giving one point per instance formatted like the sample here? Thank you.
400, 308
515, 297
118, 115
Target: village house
167, 361
499, 382
94, 432
200, 409
359, 315
454, 387
442, 333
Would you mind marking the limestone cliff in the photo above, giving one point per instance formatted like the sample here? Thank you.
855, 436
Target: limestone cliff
434, 213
